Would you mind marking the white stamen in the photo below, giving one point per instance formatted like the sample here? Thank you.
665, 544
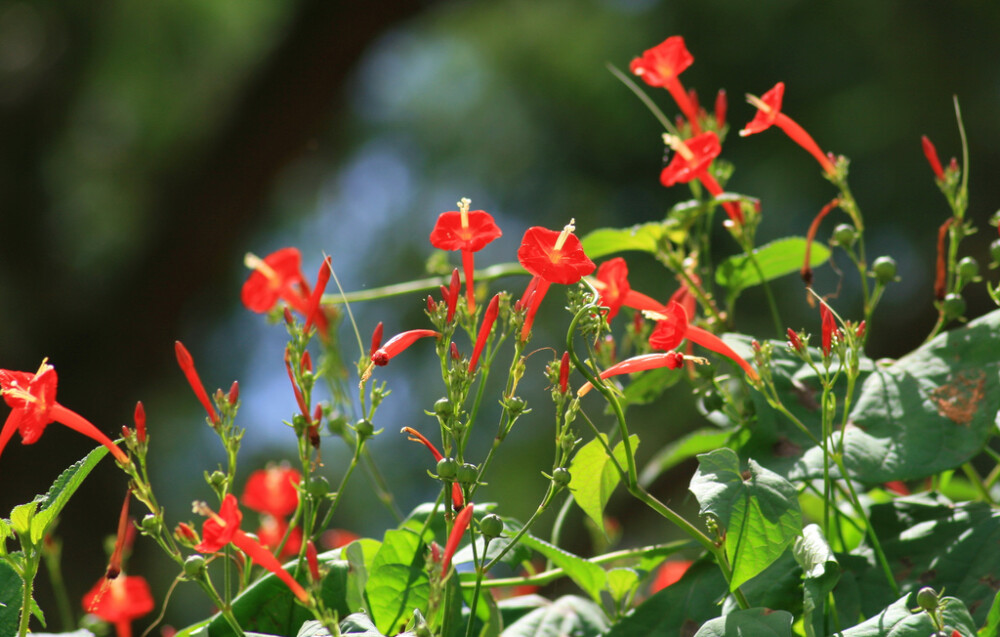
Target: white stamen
463, 210
566, 231
678, 145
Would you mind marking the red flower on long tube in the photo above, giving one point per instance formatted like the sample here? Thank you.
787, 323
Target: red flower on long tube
398, 343
769, 114
32, 399
672, 328
691, 161
660, 66
641, 363
468, 231
489, 318
272, 490
276, 276
223, 528
457, 498
462, 521
272, 530
119, 601
806, 273
613, 286
550, 257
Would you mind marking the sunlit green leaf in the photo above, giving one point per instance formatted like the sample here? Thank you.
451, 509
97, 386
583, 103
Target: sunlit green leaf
776, 259
898, 620
568, 615
397, 582
58, 495
588, 576
759, 622
605, 241
821, 572
593, 476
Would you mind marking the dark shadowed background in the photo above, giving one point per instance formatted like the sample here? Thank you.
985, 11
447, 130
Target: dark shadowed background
145, 147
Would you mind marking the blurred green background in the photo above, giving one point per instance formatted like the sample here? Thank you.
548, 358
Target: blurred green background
145, 147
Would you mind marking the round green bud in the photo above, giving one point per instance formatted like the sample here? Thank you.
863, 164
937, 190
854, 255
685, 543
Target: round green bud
318, 487
467, 473
364, 427
217, 479
491, 525
927, 598
968, 268
995, 250
150, 523
953, 305
194, 566
447, 469
443, 407
844, 235
561, 476
884, 269
712, 401
515, 405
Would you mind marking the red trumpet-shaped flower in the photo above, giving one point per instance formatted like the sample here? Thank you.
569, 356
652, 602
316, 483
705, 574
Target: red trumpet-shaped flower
462, 521
272, 490
222, 528
489, 318
672, 328
398, 343
551, 257
769, 113
468, 231
272, 530
806, 273
32, 399
612, 283
276, 276
691, 161
644, 362
661, 65
119, 601
456, 491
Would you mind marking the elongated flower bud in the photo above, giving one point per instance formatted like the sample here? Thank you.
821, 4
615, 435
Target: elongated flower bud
377, 336
721, 106
313, 559
452, 296
564, 373
186, 363
315, 312
932, 157
398, 343
670, 360
140, 422
461, 524
489, 318
457, 497
806, 272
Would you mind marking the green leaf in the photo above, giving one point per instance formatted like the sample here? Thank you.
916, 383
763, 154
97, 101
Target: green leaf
898, 620
649, 385
10, 599
20, 520
195, 630
361, 625
268, 606
758, 509
359, 554
621, 583
397, 582
992, 625
568, 615
605, 241
588, 576
76, 633
759, 622
776, 259
929, 411
593, 476
821, 572
688, 446
58, 495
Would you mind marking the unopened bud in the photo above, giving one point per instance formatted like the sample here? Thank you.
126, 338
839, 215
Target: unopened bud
313, 559
454, 352
194, 566
140, 422
234, 393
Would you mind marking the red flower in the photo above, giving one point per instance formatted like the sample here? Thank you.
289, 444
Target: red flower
272, 490
336, 538
551, 257
612, 283
806, 272
119, 601
275, 276
691, 161
661, 65
457, 531
672, 328
769, 113
468, 231
222, 528
398, 343
932, 157
829, 328
457, 499
32, 399
641, 363
271, 531
564, 373
721, 106
669, 573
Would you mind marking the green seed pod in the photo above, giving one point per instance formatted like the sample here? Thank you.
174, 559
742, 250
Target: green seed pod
467, 473
561, 476
927, 598
884, 269
447, 469
150, 524
364, 427
515, 406
443, 407
318, 487
491, 526
953, 305
217, 479
194, 566
844, 235
968, 268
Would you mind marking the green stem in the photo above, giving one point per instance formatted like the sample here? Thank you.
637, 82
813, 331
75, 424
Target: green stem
359, 445
28, 581
977, 482
382, 491
421, 285
546, 499
771, 303
52, 565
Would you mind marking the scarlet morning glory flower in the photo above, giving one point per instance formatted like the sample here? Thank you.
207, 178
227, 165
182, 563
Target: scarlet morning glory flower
672, 328
661, 65
32, 399
278, 275
272, 490
641, 363
691, 161
612, 283
119, 601
222, 528
669, 573
551, 257
769, 113
468, 231
272, 530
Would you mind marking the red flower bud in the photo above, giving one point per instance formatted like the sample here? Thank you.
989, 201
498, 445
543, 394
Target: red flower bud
794, 341
398, 343
431, 306
234, 393
932, 157
829, 327
140, 422
306, 364
484, 330
186, 363
564, 373
461, 524
806, 272
454, 352
452, 294
721, 106
313, 559
377, 333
